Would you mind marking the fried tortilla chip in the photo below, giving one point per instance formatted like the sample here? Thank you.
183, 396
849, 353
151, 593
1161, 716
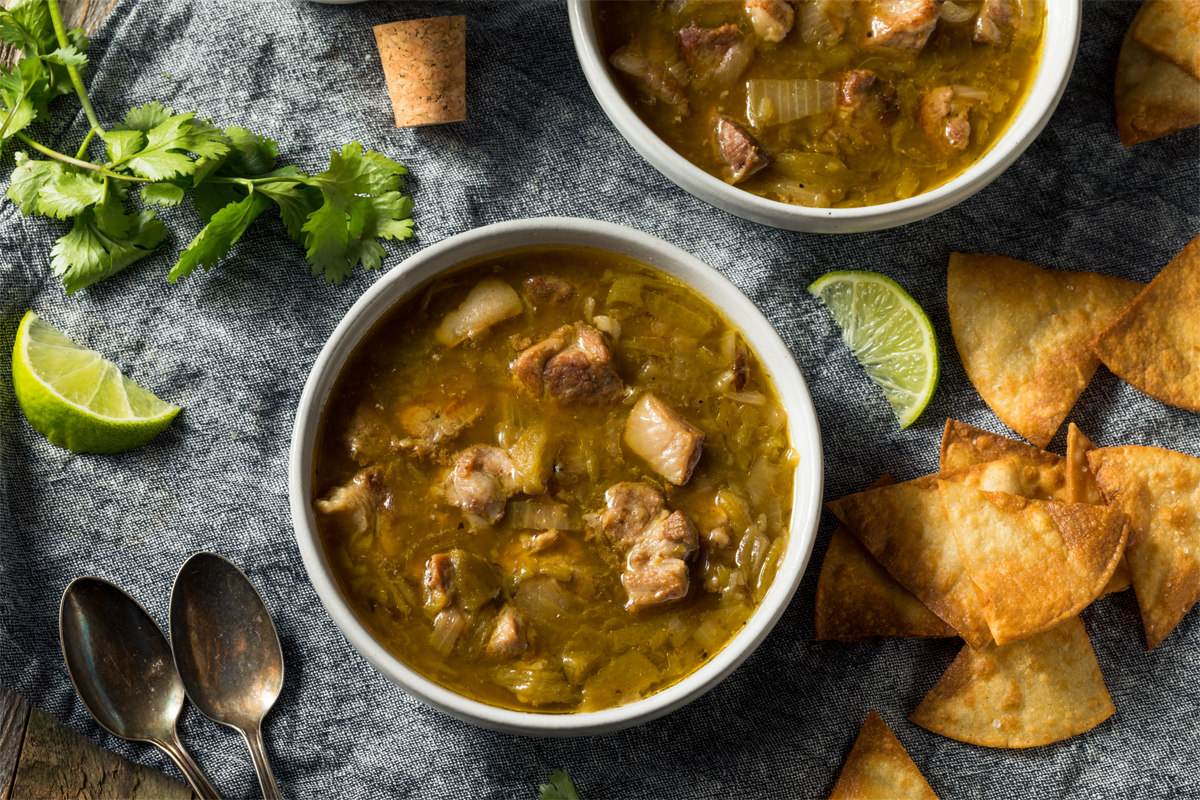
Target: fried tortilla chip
1155, 96
1034, 563
1170, 29
858, 601
1082, 488
964, 445
1023, 334
1154, 345
1040, 690
905, 528
879, 767
1160, 492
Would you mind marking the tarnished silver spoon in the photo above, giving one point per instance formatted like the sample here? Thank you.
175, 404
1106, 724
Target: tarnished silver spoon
121, 666
227, 651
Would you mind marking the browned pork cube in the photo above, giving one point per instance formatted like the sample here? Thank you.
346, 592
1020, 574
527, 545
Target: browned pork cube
744, 154
656, 570
902, 24
574, 365
480, 482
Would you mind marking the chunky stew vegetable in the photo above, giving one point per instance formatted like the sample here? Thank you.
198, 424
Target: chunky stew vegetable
556, 480
826, 103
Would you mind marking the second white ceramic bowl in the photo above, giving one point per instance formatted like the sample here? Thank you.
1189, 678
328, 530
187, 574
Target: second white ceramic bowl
1058, 58
443, 257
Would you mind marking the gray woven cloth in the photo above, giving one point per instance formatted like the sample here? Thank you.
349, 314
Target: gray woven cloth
234, 346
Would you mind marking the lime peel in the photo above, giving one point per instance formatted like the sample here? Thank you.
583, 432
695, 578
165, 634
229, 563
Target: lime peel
78, 399
889, 334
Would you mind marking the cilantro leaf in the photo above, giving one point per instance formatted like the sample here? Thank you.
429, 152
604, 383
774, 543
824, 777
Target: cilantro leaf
27, 181
67, 56
560, 787
22, 90
213, 243
89, 253
296, 202
123, 144
69, 193
162, 194
166, 156
24, 25
360, 203
209, 198
250, 155
144, 118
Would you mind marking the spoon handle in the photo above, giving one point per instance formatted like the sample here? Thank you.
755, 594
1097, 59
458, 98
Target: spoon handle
258, 754
188, 766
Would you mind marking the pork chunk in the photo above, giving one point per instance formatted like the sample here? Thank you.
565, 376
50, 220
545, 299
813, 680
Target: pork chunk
629, 509
655, 80
666, 441
943, 116
491, 302
744, 154
481, 480
993, 23
573, 365
656, 570
354, 506
866, 96
902, 24
438, 583
544, 289
508, 635
431, 426
715, 55
772, 19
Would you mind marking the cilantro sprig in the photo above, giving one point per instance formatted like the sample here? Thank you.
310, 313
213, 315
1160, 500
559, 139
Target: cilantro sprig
232, 174
560, 787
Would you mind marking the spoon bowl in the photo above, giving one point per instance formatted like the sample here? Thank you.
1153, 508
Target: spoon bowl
120, 664
227, 651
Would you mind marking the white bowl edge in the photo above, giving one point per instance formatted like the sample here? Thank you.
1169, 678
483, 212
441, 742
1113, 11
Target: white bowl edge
1061, 43
803, 429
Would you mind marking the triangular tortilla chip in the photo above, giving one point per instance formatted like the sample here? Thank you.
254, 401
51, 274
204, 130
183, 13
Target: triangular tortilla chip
905, 528
1171, 29
1154, 96
1154, 345
1160, 492
1034, 563
1082, 488
964, 445
1036, 691
1023, 334
858, 601
879, 767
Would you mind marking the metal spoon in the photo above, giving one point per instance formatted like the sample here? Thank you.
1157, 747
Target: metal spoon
120, 664
227, 651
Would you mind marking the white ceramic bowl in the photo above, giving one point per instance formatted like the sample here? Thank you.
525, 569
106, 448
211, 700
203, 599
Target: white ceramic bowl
423, 267
1058, 57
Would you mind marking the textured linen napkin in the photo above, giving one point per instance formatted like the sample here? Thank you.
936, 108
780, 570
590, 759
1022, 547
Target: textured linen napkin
234, 345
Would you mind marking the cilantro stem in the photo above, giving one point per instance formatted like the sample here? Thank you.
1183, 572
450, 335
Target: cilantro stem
252, 181
46, 151
60, 33
86, 141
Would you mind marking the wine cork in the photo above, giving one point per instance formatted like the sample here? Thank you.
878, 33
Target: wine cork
425, 63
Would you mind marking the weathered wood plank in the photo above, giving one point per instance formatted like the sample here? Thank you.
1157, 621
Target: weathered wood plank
86, 14
14, 713
57, 763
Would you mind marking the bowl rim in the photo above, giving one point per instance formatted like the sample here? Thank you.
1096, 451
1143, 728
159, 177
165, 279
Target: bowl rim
416, 271
1061, 33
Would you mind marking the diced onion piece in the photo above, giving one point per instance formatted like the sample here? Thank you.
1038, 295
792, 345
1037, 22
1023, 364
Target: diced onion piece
953, 13
748, 398
539, 516
490, 302
815, 24
986, 29
776, 102
710, 635
969, 92
681, 73
446, 627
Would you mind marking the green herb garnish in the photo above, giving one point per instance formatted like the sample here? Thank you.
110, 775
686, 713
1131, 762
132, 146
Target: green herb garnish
560, 787
337, 215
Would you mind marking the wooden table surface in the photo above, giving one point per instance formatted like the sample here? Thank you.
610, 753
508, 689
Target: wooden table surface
40, 758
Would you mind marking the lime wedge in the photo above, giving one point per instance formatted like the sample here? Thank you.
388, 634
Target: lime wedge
888, 333
78, 399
